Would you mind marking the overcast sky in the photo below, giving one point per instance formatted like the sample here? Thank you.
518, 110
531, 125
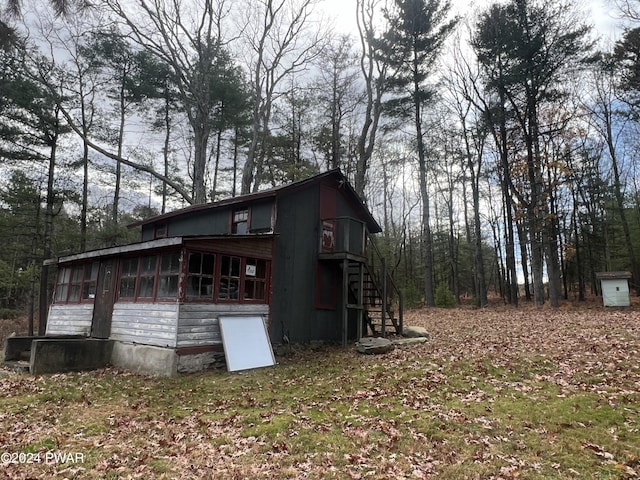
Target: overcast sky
600, 13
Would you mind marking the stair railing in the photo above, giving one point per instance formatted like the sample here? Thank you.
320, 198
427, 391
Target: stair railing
386, 286
338, 235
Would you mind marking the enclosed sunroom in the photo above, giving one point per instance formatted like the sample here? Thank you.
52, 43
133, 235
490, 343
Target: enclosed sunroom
162, 299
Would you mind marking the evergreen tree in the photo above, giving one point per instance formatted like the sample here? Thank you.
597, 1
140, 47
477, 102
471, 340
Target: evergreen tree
527, 49
415, 34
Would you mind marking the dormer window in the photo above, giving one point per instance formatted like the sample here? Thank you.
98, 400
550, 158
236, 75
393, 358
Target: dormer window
240, 221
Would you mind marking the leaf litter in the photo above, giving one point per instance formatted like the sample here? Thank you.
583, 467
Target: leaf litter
495, 393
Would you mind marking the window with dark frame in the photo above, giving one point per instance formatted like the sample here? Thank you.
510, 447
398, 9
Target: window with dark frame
62, 285
76, 284
147, 277
200, 275
240, 221
255, 279
150, 277
128, 275
160, 230
229, 278
169, 275
90, 281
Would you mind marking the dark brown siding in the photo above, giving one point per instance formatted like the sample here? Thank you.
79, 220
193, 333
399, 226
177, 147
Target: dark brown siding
259, 247
261, 213
294, 271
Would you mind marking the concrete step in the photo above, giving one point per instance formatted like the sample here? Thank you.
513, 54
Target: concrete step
19, 366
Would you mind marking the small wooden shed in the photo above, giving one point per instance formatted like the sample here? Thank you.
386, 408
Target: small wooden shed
615, 288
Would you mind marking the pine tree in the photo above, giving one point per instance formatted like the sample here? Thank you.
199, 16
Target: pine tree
414, 37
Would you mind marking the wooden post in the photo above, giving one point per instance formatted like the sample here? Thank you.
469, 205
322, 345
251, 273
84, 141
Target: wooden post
360, 299
384, 296
345, 301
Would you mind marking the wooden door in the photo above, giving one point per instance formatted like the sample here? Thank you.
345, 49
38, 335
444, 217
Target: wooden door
105, 298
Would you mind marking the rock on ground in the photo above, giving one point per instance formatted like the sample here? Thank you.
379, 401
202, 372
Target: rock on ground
414, 332
410, 341
371, 345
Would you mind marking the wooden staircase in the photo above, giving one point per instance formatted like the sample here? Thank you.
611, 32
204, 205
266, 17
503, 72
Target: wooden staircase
380, 301
367, 287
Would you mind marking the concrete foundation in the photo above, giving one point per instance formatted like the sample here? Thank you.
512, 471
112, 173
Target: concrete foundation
54, 355
200, 361
145, 359
14, 347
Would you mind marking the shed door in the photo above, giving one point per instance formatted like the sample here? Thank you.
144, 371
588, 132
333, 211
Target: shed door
105, 297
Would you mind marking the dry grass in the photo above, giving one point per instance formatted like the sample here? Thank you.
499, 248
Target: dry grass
495, 393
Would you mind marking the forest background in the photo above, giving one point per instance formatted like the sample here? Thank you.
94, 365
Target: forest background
498, 148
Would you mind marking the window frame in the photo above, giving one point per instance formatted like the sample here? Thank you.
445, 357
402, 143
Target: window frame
256, 280
131, 270
245, 212
200, 275
166, 275
156, 276
73, 283
241, 278
160, 230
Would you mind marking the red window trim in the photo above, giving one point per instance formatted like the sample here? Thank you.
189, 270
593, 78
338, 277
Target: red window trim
136, 298
242, 278
233, 222
160, 230
83, 282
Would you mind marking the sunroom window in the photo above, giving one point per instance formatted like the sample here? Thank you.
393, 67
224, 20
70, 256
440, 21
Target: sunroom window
62, 285
148, 265
168, 276
201, 275
128, 275
229, 278
255, 279
90, 279
77, 283
150, 277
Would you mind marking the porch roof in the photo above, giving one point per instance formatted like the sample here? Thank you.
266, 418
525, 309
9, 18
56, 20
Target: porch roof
149, 245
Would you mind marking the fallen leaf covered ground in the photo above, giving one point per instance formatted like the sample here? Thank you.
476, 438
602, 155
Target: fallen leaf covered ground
495, 393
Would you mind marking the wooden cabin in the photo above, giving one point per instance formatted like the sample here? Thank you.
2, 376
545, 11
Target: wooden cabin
300, 256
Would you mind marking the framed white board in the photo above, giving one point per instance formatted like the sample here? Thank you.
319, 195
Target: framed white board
246, 343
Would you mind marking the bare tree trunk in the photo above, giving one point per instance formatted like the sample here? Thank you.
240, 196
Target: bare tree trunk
116, 187
279, 52
524, 258
374, 74
552, 246
48, 226
165, 148
429, 289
